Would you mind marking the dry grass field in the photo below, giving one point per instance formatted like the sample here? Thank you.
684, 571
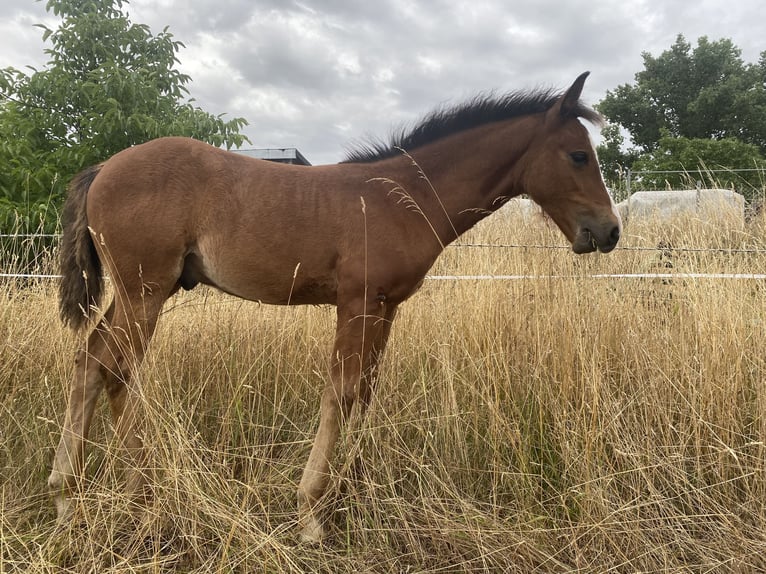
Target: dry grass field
569, 424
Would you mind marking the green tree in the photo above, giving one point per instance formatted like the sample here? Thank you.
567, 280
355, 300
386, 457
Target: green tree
615, 159
711, 162
108, 84
705, 92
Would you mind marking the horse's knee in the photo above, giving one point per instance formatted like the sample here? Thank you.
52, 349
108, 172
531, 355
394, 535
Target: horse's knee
349, 393
339, 397
115, 389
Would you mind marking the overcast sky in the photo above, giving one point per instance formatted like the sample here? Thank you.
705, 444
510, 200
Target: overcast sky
319, 74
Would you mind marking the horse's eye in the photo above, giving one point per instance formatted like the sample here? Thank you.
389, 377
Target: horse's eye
579, 158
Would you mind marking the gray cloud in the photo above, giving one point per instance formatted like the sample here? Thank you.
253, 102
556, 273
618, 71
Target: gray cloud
317, 74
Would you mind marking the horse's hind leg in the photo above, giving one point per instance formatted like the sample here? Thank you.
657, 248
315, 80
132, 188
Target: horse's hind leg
114, 350
87, 383
124, 405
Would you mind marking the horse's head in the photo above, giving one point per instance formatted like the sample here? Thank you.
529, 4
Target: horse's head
562, 175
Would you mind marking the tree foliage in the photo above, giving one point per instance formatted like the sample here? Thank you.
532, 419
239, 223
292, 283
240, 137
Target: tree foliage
707, 92
108, 84
693, 109
682, 162
613, 157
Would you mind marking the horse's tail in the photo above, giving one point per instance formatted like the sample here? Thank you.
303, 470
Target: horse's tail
82, 282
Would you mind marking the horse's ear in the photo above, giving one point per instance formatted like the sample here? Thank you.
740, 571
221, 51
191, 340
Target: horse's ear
568, 105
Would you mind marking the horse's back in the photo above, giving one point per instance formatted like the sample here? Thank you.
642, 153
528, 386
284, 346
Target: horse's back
191, 213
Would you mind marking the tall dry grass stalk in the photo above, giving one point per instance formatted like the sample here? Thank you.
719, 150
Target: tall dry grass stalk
546, 425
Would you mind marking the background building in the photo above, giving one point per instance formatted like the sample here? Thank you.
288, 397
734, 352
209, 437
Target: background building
284, 155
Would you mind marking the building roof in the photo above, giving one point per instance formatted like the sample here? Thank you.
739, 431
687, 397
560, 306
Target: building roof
281, 155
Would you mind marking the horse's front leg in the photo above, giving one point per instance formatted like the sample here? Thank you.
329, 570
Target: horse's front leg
359, 343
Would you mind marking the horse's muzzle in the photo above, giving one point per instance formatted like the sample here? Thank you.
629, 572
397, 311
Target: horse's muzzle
588, 240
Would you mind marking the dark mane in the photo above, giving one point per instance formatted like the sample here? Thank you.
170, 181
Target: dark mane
443, 122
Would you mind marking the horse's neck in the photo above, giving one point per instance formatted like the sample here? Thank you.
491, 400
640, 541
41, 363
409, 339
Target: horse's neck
464, 178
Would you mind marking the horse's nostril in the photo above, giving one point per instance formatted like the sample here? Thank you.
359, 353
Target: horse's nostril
615, 234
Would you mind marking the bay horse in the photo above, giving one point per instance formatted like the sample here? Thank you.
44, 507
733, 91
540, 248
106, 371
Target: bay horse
362, 234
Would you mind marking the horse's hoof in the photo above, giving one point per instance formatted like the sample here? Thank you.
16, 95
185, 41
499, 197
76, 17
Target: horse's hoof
64, 506
64, 510
312, 532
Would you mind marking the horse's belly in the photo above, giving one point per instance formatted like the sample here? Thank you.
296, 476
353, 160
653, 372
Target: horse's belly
264, 279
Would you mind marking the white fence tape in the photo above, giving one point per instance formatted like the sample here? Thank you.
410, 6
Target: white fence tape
27, 276
599, 276
738, 276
